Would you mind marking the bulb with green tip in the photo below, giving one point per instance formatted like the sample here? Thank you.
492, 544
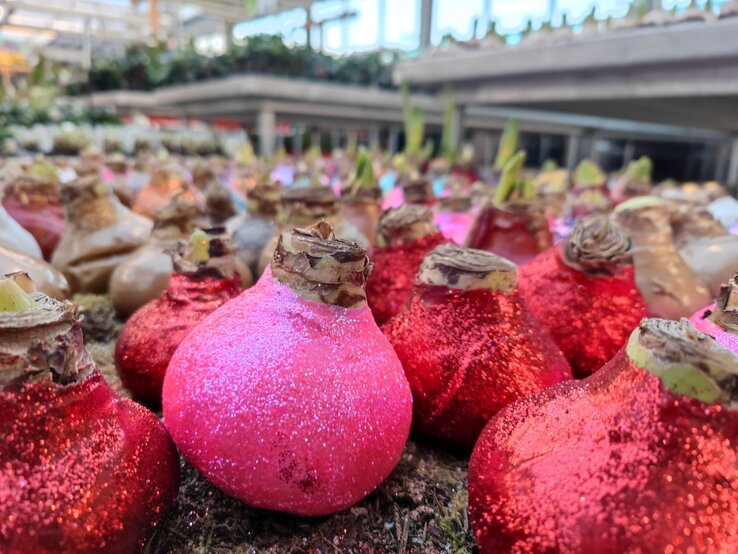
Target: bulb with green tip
640, 170
199, 247
508, 144
588, 174
12, 296
510, 178
686, 361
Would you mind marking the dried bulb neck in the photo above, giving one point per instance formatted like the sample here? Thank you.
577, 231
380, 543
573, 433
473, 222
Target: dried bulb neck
418, 191
43, 344
690, 222
264, 199
686, 361
215, 259
320, 267
645, 219
467, 269
597, 246
179, 217
725, 314
306, 205
404, 225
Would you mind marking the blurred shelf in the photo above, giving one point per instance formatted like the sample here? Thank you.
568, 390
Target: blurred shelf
683, 74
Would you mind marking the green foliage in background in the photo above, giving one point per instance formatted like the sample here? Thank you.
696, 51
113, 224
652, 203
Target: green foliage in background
146, 68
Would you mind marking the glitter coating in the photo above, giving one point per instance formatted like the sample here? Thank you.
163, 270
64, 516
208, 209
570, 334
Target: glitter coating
722, 337
391, 281
614, 463
150, 337
519, 237
589, 318
81, 469
454, 225
42, 217
467, 355
288, 404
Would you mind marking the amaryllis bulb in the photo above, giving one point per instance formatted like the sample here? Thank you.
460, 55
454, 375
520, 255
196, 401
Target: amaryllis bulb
206, 275
454, 217
252, 230
84, 470
468, 344
34, 203
99, 235
166, 181
583, 292
404, 236
361, 199
48, 279
289, 397
670, 288
303, 206
14, 236
144, 275
706, 246
641, 456
720, 320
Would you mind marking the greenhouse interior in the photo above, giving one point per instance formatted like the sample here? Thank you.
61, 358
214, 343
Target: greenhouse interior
369, 276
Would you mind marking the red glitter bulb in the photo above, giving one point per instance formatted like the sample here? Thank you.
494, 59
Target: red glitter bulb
639, 457
83, 470
405, 235
36, 205
584, 294
289, 397
468, 344
152, 334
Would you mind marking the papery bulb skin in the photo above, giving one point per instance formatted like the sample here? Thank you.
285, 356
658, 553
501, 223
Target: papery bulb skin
468, 345
705, 245
253, 230
144, 275
152, 334
100, 234
361, 198
583, 293
47, 278
720, 320
670, 288
516, 231
83, 470
35, 204
405, 236
166, 182
303, 206
14, 236
289, 397
617, 462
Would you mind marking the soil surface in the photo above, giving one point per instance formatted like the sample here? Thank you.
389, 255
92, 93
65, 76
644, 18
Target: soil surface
420, 508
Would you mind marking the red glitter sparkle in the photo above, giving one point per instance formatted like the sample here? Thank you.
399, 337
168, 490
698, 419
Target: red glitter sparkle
391, 281
467, 355
150, 337
81, 469
614, 463
589, 318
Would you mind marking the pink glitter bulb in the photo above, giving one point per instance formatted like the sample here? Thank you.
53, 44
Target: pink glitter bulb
583, 293
720, 320
289, 397
468, 344
639, 457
